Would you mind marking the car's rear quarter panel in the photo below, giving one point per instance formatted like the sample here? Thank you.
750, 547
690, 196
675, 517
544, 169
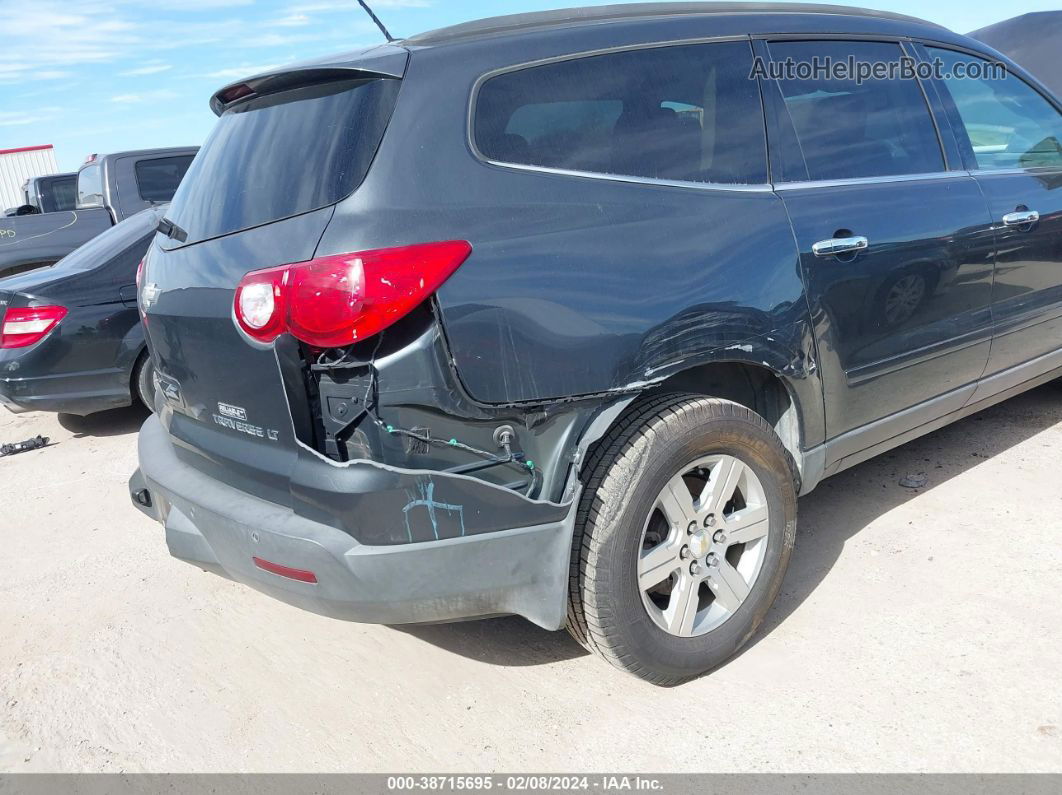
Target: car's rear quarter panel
578, 285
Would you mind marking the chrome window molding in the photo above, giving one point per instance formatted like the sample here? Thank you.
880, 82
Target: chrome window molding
1031, 172
831, 183
959, 172
664, 183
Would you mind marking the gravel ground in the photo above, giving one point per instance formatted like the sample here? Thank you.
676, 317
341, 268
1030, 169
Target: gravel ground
918, 630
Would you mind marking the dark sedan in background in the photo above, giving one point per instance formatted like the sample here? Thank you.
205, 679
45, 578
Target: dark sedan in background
70, 335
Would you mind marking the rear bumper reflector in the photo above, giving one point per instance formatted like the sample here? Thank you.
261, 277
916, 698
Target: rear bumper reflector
285, 571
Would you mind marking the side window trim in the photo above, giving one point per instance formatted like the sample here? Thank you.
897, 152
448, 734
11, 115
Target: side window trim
946, 108
478, 154
782, 118
778, 125
953, 160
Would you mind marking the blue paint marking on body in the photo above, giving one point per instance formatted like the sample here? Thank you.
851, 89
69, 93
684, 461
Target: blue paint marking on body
427, 500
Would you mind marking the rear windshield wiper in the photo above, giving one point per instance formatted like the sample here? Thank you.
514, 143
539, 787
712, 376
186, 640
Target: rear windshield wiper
171, 230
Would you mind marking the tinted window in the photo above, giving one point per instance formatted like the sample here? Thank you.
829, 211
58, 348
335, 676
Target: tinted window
1008, 123
59, 194
686, 113
283, 154
845, 129
90, 186
157, 179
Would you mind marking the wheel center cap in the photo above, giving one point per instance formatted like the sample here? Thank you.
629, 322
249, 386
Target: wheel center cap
700, 543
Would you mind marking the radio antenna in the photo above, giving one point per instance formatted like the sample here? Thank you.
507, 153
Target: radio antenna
376, 19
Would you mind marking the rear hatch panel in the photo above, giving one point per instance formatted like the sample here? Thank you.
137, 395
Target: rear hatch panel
225, 399
259, 194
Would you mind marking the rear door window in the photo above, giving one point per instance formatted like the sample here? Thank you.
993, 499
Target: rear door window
283, 154
848, 128
685, 113
157, 179
1008, 124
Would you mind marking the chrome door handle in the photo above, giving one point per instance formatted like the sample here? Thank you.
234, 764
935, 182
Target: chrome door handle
839, 245
1021, 218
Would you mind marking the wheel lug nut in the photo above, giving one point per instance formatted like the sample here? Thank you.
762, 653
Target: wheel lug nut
695, 568
712, 560
719, 537
709, 520
684, 553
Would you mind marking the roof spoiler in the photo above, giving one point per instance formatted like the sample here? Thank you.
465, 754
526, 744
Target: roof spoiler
383, 61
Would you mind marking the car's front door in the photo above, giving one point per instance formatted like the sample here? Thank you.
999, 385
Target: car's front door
895, 248
1011, 135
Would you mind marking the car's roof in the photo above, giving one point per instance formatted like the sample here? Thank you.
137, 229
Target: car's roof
514, 23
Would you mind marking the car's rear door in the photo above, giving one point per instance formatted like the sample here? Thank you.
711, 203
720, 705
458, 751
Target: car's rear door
895, 247
1011, 136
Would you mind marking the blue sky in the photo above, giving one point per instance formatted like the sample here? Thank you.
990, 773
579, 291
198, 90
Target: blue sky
106, 75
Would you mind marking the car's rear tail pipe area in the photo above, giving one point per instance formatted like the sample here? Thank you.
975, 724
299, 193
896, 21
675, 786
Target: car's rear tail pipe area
397, 400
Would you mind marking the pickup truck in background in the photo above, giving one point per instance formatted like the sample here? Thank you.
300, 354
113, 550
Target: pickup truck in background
49, 194
109, 189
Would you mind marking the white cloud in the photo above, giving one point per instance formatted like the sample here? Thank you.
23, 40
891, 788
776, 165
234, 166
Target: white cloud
51, 74
291, 21
144, 96
51, 33
313, 6
236, 72
146, 69
201, 5
18, 118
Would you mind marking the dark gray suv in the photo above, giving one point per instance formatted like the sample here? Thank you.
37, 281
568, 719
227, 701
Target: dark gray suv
557, 314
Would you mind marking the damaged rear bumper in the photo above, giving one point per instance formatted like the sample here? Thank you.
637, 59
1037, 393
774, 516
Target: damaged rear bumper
521, 570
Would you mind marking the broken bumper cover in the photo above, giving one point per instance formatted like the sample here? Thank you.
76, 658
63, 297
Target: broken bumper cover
520, 571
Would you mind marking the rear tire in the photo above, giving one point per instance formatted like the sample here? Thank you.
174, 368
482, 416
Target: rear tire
732, 476
144, 381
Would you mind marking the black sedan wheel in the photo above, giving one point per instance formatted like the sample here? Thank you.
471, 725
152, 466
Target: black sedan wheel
144, 381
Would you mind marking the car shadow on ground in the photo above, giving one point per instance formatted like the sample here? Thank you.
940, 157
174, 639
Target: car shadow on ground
836, 511
114, 422
510, 641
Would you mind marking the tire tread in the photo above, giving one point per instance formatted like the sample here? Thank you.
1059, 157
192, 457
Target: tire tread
613, 457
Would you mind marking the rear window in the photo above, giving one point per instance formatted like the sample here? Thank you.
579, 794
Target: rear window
283, 154
157, 179
90, 186
59, 194
687, 113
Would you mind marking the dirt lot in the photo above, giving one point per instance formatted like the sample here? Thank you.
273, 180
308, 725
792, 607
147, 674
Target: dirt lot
918, 630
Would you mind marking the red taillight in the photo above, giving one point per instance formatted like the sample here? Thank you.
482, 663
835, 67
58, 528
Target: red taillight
139, 276
342, 299
25, 327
